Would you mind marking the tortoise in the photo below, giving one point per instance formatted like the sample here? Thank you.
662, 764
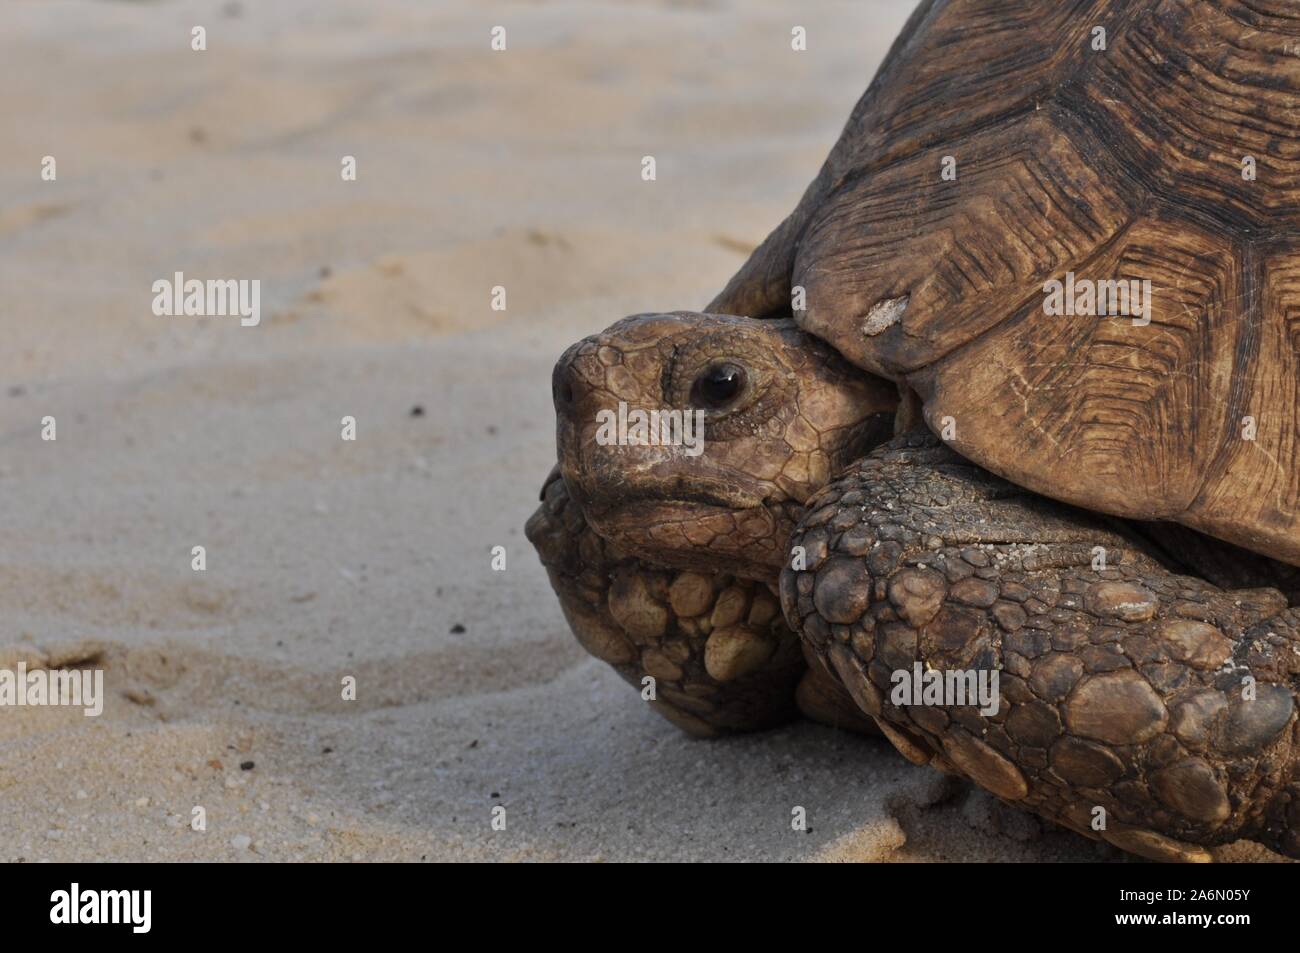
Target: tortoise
914, 465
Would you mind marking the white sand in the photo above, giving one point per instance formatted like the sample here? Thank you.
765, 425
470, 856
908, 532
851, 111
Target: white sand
328, 558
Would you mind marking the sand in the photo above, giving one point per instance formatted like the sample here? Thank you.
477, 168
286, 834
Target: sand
371, 558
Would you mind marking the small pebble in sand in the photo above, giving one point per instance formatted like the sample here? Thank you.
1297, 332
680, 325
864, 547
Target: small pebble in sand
241, 842
417, 411
246, 766
142, 802
457, 629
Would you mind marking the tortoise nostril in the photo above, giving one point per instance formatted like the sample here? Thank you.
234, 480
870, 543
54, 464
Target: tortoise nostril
577, 373
562, 391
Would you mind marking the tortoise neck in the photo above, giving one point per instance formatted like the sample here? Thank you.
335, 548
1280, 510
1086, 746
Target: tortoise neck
1227, 566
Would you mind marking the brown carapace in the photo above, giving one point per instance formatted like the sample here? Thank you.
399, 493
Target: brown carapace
1171, 155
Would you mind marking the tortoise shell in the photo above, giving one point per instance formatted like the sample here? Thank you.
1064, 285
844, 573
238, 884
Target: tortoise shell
1008, 144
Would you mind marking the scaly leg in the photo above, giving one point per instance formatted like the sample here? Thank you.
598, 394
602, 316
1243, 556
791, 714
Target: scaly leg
1153, 710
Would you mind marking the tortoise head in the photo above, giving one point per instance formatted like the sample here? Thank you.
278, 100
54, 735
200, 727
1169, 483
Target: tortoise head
693, 440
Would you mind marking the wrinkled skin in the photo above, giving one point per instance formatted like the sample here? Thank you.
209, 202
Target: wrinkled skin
1130, 690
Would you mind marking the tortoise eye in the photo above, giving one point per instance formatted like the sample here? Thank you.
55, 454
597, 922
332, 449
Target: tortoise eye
733, 379
718, 386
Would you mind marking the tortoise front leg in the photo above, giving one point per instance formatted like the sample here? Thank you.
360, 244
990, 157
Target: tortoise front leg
720, 655
1153, 710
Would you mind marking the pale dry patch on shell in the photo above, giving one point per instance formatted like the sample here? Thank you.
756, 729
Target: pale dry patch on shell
884, 314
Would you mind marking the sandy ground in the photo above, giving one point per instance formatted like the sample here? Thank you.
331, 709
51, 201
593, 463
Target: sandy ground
370, 558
